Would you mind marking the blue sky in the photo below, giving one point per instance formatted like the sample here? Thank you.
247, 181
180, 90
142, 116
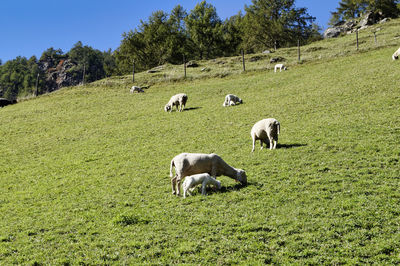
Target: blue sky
29, 27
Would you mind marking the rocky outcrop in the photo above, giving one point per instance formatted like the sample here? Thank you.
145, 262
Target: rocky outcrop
62, 74
339, 28
351, 26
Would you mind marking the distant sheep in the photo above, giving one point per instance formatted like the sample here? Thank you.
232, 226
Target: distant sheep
136, 89
266, 129
187, 164
280, 66
231, 100
396, 54
204, 179
179, 100
5, 102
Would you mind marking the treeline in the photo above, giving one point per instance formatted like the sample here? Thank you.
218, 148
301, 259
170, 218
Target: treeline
54, 69
349, 9
168, 37
201, 34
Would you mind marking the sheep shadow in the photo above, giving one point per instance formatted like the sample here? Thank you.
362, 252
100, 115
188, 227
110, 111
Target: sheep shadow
191, 108
235, 187
289, 146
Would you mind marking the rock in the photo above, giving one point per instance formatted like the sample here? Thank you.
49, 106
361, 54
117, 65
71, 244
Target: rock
152, 71
369, 19
332, 32
277, 59
266, 52
192, 64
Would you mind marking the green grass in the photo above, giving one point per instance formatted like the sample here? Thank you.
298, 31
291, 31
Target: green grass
84, 171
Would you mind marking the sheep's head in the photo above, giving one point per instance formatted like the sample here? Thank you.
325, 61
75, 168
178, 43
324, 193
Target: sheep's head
240, 100
218, 185
167, 108
241, 177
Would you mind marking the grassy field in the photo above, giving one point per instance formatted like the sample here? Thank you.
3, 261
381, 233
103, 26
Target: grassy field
84, 171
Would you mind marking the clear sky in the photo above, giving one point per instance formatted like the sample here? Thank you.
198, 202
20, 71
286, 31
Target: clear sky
29, 27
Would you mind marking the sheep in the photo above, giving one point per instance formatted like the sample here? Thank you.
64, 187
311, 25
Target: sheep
195, 163
136, 89
396, 54
231, 100
280, 66
177, 100
266, 129
204, 179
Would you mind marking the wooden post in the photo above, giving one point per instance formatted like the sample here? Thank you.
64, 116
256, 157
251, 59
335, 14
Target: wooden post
244, 64
37, 82
184, 65
357, 38
133, 70
83, 78
298, 50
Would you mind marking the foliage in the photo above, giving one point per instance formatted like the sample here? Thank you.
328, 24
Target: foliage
275, 23
355, 8
19, 76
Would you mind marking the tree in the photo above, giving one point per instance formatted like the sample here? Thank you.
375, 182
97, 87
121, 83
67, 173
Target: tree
205, 28
349, 9
271, 22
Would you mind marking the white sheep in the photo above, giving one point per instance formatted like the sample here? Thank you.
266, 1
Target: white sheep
187, 164
204, 179
266, 129
231, 100
280, 66
179, 100
396, 54
136, 89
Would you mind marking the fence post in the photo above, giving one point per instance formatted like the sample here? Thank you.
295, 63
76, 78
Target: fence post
184, 65
244, 64
37, 82
298, 50
133, 70
357, 38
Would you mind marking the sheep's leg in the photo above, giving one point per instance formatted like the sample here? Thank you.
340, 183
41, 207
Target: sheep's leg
178, 186
203, 188
213, 171
261, 143
254, 142
271, 144
173, 184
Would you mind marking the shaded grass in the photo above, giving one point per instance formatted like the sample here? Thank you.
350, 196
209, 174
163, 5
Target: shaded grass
84, 170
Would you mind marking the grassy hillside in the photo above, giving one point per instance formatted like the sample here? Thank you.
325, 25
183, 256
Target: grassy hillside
84, 170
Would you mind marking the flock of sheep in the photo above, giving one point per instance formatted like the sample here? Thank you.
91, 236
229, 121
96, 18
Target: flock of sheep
203, 169
199, 168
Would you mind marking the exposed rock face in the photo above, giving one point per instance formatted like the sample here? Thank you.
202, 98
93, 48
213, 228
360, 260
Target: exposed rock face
341, 27
350, 26
60, 75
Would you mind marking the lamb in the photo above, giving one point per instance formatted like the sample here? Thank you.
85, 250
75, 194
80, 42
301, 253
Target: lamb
280, 66
177, 100
187, 164
204, 179
231, 100
136, 89
396, 54
266, 129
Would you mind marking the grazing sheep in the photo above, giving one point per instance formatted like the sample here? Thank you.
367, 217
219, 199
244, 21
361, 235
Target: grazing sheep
231, 100
179, 100
136, 89
5, 102
266, 129
187, 164
204, 179
280, 66
396, 54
